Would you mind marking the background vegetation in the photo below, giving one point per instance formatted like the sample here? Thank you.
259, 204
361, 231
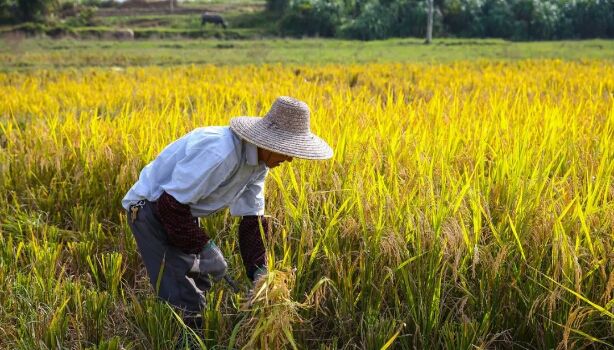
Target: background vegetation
353, 19
510, 19
468, 204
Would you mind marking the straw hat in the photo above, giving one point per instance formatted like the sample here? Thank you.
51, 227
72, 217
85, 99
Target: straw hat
284, 129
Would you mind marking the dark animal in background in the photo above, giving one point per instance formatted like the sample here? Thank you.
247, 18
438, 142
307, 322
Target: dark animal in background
212, 18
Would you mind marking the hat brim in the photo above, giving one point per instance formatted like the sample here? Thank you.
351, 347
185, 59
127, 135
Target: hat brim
305, 146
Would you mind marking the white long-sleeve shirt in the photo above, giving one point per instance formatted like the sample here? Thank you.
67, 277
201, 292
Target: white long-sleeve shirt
209, 169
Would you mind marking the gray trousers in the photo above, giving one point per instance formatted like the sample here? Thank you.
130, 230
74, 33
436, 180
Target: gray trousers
167, 266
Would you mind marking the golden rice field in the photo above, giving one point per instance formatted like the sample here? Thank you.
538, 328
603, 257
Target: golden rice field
468, 205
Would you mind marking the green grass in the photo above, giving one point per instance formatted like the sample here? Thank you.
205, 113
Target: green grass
173, 21
207, 2
47, 53
248, 16
244, 22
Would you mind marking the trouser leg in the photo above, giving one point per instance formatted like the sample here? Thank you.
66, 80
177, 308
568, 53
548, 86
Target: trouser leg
167, 266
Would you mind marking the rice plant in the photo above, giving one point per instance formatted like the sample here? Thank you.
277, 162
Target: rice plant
468, 205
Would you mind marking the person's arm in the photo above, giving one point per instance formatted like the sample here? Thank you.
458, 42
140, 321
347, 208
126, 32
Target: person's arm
250, 206
180, 225
251, 245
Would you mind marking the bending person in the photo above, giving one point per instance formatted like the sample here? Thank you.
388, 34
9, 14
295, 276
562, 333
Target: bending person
207, 170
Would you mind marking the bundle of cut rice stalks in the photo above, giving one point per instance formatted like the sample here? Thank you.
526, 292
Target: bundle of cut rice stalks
270, 314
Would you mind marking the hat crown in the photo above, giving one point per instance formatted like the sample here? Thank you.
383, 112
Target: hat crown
288, 114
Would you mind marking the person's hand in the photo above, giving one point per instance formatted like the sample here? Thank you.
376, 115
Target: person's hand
260, 272
210, 261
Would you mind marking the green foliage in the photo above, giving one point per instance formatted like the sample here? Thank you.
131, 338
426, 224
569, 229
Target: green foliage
311, 17
366, 19
511, 19
7, 10
542, 20
384, 18
376, 21
412, 16
85, 16
157, 322
592, 18
277, 6
498, 19
462, 17
36, 10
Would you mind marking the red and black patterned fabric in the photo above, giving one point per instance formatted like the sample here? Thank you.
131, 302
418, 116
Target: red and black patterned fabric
251, 245
183, 232
180, 225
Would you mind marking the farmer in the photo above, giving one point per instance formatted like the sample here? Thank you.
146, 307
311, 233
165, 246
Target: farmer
209, 169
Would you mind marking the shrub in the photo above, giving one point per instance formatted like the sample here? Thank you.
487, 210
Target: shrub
462, 17
592, 18
311, 17
36, 10
498, 19
7, 10
375, 22
384, 18
412, 15
545, 20
278, 6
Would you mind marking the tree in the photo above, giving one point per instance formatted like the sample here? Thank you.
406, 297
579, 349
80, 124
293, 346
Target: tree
35, 10
7, 8
312, 17
277, 6
429, 21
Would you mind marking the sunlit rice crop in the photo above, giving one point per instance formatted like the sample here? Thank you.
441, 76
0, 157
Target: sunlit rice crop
467, 204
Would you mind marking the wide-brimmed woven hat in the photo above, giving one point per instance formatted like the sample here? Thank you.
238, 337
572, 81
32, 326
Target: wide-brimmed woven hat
284, 129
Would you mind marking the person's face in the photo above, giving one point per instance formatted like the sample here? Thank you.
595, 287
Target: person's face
272, 159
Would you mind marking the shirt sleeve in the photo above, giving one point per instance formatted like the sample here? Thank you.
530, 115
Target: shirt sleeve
199, 173
251, 246
181, 227
251, 201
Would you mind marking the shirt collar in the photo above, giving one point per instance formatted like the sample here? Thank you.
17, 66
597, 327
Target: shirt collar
251, 153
